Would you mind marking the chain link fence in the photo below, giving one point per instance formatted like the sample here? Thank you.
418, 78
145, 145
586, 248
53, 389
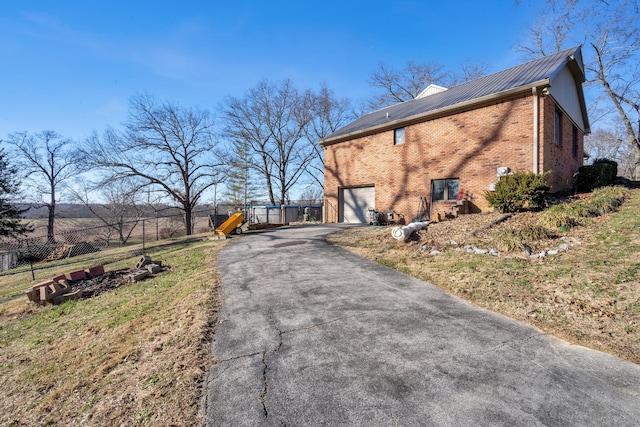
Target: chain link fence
77, 237
81, 236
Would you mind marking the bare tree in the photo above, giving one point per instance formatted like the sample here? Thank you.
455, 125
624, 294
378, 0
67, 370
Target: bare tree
610, 32
169, 148
329, 114
549, 33
611, 144
400, 85
271, 119
120, 211
311, 195
468, 71
48, 160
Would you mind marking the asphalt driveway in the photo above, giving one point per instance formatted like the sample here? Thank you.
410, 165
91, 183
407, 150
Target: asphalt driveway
310, 334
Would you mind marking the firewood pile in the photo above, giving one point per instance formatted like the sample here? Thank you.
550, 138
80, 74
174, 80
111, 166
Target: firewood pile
70, 250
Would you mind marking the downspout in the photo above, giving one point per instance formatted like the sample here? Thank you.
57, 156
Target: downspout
536, 119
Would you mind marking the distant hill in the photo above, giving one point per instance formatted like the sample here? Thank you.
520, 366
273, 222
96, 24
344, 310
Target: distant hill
63, 210
73, 210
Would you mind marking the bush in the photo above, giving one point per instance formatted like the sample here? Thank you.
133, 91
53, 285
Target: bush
568, 215
600, 174
606, 199
612, 163
564, 216
520, 191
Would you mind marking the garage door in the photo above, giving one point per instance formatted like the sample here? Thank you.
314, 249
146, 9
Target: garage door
355, 204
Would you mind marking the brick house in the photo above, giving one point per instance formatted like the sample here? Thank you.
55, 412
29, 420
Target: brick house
438, 154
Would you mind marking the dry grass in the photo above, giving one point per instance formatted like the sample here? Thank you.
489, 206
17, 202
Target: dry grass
134, 356
589, 295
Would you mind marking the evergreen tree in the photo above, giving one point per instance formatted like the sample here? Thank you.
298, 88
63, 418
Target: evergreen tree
10, 215
240, 184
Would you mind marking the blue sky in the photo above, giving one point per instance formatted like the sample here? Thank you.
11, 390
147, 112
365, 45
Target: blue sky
71, 66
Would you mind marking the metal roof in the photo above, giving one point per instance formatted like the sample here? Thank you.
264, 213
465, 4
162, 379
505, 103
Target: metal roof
534, 73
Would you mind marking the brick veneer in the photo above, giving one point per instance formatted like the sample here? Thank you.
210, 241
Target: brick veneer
559, 161
468, 145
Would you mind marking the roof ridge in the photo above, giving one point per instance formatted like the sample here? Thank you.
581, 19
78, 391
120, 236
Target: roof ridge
562, 53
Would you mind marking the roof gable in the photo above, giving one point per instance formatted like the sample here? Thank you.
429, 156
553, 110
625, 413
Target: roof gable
562, 89
430, 90
522, 77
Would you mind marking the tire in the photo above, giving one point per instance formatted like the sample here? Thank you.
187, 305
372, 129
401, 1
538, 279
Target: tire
238, 231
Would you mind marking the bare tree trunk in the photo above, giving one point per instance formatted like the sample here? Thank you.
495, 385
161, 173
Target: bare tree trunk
617, 99
636, 163
267, 177
52, 216
187, 220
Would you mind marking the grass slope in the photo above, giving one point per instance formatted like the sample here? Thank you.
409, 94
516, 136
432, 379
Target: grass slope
133, 356
589, 295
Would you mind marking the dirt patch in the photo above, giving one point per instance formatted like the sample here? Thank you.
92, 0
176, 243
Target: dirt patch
100, 284
464, 228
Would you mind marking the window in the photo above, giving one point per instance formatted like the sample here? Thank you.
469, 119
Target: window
574, 142
557, 128
445, 189
398, 136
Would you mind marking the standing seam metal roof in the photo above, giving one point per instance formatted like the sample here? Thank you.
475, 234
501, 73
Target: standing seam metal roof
539, 70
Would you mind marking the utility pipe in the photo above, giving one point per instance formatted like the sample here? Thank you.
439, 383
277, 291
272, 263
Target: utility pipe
403, 233
536, 118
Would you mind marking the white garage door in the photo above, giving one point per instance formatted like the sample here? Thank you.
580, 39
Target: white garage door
355, 204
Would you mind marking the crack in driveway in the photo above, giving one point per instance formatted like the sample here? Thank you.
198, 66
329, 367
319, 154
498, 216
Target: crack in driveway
265, 390
265, 353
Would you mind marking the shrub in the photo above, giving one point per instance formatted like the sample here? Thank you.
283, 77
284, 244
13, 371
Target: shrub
520, 191
564, 216
612, 163
567, 215
600, 174
606, 199
506, 241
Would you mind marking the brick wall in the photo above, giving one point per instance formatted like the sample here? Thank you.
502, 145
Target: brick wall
559, 160
469, 146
